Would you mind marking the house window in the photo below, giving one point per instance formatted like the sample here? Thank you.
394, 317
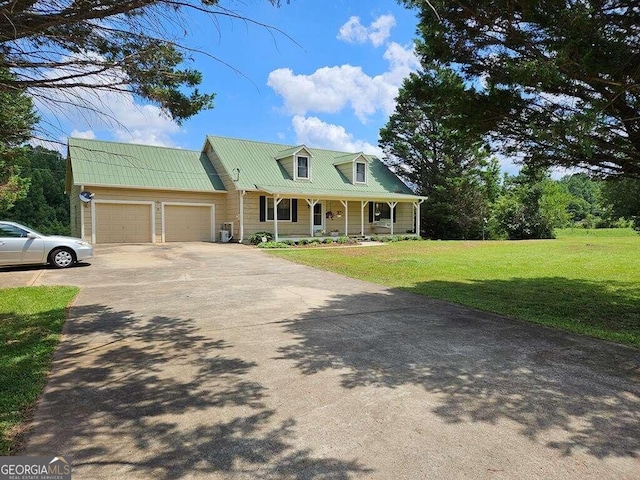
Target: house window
303, 167
361, 172
284, 209
382, 212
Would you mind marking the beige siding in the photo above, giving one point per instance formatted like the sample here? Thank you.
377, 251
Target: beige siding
230, 212
158, 197
187, 223
123, 223
75, 211
347, 170
288, 164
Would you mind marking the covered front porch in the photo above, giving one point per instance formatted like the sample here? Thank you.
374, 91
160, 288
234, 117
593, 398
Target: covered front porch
294, 217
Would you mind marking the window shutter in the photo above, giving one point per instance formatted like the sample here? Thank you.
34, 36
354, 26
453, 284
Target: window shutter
263, 208
395, 211
294, 209
371, 209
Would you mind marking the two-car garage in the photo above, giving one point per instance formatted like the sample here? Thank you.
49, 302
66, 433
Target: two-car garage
118, 221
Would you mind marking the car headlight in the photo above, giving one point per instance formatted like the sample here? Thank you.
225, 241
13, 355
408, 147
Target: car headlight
82, 244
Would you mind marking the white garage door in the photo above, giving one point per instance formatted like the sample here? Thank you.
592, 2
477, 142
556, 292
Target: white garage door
187, 223
123, 223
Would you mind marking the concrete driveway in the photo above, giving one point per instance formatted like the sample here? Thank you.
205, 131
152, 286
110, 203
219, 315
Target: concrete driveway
219, 361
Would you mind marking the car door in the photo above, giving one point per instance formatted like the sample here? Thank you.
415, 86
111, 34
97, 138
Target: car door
17, 248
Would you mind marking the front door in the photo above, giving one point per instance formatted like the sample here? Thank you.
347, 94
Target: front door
318, 218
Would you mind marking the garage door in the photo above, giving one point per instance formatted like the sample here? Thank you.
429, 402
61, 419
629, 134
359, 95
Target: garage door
123, 223
187, 223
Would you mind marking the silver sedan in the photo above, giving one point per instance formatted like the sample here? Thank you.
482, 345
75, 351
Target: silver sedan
20, 245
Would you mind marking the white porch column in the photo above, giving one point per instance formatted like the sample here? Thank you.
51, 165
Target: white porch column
241, 233
345, 204
312, 203
276, 202
392, 205
362, 205
416, 205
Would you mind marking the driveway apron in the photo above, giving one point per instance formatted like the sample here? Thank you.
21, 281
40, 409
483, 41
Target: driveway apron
219, 361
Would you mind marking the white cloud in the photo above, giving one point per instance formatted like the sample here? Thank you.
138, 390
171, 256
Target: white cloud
95, 108
377, 33
313, 132
330, 89
353, 31
87, 134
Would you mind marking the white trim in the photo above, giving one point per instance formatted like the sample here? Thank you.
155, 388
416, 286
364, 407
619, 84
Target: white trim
126, 202
295, 168
275, 209
355, 173
276, 202
241, 233
312, 204
212, 233
392, 206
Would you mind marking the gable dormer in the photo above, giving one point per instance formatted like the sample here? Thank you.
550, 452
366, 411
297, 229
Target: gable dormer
354, 166
297, 162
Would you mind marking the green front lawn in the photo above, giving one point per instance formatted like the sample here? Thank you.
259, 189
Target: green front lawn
31, 319
588, 285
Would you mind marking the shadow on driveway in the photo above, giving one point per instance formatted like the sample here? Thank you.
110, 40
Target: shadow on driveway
122, 381
485, 369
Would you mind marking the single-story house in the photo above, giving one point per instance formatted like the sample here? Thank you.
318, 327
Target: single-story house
231, 189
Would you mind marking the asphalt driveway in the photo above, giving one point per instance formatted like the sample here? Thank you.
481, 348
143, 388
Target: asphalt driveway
219, 361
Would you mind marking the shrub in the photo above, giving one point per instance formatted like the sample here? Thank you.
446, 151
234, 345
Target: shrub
314, 241
342, 239
303, 241
327, 240
288, 242
273, 245
257, 237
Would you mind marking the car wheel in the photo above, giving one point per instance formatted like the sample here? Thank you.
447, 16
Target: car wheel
61, 258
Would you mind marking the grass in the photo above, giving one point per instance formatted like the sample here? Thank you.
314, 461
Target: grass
584, 285
31, 319
595, 232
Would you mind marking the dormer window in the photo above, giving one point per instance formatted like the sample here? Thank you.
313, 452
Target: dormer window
302, 167
361, 172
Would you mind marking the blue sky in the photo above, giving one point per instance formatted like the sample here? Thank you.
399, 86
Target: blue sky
332, 84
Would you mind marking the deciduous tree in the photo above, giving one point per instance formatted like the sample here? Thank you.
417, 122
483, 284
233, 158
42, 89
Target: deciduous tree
17, 119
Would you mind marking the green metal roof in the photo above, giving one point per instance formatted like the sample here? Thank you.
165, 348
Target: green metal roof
260, 171
349, 158
116, 164
287, 152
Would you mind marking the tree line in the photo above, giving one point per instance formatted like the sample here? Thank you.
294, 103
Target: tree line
551, 84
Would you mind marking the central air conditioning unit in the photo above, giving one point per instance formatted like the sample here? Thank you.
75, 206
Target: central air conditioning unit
226, 232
